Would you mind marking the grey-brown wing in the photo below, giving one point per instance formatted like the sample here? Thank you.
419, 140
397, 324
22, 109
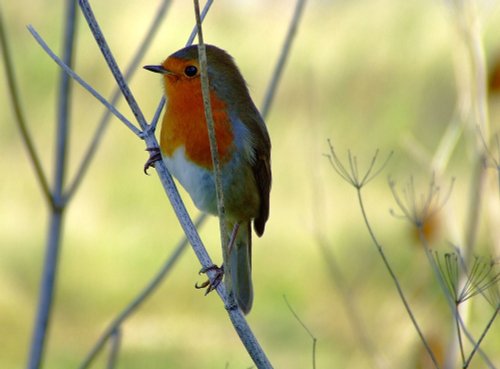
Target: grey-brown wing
261, 167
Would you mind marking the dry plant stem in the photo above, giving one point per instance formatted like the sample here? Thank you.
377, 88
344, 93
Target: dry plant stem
475, 343
49, 273
459, 334
313, 338
395, 279
19, 116
449, 298
115, 342
468, 23
285, 50
202, 16
205, 91
190, 40
459, 323
110, 60
84, 84
129, 71
103, 122
476, 346
141, 297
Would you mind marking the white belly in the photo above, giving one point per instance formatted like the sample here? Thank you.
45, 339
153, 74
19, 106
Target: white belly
198, 182
241, 197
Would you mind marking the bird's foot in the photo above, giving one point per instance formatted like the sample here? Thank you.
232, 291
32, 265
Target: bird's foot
154, 156
211, 285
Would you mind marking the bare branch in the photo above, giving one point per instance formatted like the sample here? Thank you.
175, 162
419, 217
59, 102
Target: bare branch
84, 84
103, 122
110, 60
313, 338
140, 298
351, 177
285, 51
19, 116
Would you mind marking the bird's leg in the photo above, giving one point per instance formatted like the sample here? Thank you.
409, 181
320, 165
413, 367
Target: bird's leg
232, 239
154, 156
211, 284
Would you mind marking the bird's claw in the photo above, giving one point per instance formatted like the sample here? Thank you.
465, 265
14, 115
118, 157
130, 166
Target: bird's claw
154, 156
211, 285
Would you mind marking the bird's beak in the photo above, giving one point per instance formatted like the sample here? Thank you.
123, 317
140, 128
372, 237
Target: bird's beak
157, 69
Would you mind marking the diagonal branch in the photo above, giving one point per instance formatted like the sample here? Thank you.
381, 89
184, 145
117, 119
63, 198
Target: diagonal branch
103, 122
285, 51
84, 84
110, 60
139, 299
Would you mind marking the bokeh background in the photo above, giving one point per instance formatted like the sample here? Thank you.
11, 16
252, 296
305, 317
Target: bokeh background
367, 74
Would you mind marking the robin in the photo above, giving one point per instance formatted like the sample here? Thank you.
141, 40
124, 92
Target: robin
243, 145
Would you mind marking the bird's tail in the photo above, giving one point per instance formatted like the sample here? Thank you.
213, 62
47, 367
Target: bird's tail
240, 258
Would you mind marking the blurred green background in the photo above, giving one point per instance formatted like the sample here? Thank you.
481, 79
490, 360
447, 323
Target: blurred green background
367, 74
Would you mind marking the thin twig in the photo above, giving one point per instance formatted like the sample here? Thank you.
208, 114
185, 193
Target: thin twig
445, 285
190, 40
485, 331
417, 213
49, 273
84, 84
140, 298
116, 340
20, 120
103, 122
396, 282
203, 14
475, 343
285, 51
313, 338
352, 177
110, 60
205, 90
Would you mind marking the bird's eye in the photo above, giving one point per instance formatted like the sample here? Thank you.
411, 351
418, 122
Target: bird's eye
190, 71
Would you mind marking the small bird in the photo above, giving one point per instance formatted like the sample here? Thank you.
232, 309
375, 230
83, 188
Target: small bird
243, 145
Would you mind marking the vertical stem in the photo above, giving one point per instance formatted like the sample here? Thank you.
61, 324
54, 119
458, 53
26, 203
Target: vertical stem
46, 291
63, 105
459, 333
47, 286
213, 146
396, 282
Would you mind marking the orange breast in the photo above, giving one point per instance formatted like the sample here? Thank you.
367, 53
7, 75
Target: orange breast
184, 123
